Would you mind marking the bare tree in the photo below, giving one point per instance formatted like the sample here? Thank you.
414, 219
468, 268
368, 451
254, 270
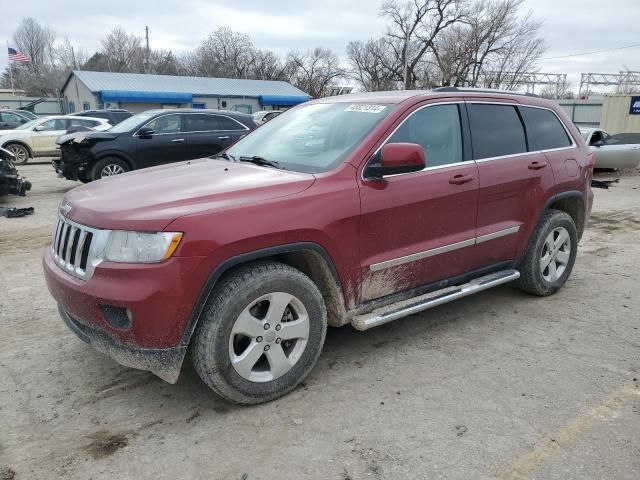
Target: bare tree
492, 47
314, 71
266, 65
225, 53
373, 65
36, 41
415, 25
122, 52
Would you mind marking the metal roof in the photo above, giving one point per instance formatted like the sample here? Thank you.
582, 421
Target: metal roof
197, 86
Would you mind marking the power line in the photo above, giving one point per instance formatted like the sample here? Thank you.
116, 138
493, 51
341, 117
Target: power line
591, 53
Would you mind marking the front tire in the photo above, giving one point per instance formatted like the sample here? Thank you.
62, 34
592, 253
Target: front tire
550, 256
261, 333
108, 167
20, 152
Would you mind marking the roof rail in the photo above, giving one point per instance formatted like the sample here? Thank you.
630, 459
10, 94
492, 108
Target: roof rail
482, 90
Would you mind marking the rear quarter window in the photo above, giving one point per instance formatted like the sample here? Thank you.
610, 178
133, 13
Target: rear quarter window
544, 130
496, 130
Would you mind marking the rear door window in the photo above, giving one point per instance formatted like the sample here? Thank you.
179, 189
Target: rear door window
544, 130
227, 123
496, 130
437, 130
201, 123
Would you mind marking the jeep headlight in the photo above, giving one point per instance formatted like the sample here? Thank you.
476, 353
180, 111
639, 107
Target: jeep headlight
140, 247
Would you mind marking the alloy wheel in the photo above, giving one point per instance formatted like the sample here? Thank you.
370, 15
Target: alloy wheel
110, 170
20, 153
556, 253
269, 337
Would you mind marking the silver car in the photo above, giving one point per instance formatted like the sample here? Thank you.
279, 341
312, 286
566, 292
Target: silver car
611, 151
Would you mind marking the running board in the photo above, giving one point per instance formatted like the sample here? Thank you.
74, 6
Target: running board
392, 312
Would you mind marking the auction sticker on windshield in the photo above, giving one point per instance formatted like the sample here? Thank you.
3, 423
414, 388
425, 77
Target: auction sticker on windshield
360, 107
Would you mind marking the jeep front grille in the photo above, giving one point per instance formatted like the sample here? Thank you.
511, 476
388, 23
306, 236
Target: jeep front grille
74, 247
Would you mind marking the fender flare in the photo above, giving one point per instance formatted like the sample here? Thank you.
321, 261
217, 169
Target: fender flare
247, 257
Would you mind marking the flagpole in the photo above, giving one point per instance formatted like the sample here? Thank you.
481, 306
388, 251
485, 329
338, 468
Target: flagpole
13, 91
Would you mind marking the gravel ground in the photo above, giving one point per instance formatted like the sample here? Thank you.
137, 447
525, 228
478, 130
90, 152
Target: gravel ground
497, 385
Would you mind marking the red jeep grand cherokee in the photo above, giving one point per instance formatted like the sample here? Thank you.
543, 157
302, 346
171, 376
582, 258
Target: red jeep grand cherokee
358, 209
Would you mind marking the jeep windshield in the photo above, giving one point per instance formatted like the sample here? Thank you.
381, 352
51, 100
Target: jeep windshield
313, 138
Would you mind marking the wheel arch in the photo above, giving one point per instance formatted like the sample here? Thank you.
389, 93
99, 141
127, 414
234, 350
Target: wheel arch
308, 257
116, 154
573, 204
19, 142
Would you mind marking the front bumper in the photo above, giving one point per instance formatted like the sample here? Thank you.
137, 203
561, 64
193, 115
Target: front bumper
165, 363
73, 163
159, 298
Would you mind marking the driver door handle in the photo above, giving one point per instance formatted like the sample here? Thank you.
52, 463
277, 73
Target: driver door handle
537, 165
226, 137
460, 179
178, 140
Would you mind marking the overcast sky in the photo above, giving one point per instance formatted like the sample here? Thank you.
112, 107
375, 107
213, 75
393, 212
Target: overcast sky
570, 26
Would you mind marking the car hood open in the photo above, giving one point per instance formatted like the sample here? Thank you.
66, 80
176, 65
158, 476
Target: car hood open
150, 199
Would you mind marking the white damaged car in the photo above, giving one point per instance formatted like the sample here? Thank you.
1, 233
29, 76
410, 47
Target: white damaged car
612, 151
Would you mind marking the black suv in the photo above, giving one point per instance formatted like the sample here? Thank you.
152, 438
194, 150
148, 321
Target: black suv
113, 115
148, 139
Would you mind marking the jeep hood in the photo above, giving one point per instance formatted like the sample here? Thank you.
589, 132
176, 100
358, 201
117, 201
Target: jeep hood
88, 138
150, 199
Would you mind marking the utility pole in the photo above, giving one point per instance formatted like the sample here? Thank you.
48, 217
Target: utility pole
73, 57
147, 51
406, 61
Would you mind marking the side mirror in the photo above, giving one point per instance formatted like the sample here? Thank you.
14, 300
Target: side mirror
38, 128
599, 143
146, 132
398, 158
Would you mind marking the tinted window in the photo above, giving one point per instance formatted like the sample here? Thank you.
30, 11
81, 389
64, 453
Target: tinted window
201, 123
544, 130
227, 124
166, 124
84, 123
99, 115
437, 130
10, 117
496, 130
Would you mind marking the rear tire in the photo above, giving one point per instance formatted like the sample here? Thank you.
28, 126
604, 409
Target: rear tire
20, 152
260, 334
550, 256
108, 167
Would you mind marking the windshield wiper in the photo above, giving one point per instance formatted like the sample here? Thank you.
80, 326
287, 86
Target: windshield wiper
257, 160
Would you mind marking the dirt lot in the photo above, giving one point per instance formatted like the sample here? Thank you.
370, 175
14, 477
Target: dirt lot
498, 385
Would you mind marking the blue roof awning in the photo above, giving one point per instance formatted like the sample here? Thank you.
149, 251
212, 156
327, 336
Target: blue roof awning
144, 97
285, 100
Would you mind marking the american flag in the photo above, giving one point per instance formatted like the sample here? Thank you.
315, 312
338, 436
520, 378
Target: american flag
16, 56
